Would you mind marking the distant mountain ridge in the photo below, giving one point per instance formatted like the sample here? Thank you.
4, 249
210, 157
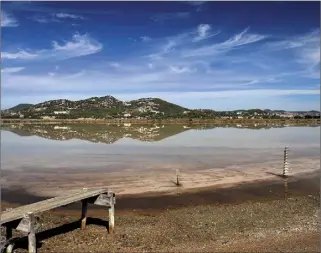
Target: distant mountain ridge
107, 107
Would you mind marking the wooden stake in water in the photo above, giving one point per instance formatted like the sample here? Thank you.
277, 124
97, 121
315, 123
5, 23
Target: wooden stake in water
286, 165
177, 177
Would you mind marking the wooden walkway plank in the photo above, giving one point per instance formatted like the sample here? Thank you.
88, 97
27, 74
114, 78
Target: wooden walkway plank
45, 205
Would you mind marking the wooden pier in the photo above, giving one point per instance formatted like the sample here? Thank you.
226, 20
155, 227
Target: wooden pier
25, 218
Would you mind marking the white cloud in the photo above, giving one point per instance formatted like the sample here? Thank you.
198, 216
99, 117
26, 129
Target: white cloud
45, 19
12, 70
67, 15
7, 20
145, 38
306, 47
238, 78
55, 17
228, 94
203, 32
238, 40
21, 54
80, 45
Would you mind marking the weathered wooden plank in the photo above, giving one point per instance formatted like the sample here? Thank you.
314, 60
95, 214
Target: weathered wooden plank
45, 205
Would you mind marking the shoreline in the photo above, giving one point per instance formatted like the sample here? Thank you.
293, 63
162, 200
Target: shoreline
261, 216
159, 181
275, 188
285, 121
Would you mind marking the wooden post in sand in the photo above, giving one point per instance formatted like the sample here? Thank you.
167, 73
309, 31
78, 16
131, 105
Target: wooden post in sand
84, 206
177, 177
32, 246
111, 211
286, 165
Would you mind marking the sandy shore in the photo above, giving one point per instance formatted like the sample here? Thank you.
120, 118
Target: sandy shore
257, 217
270, 214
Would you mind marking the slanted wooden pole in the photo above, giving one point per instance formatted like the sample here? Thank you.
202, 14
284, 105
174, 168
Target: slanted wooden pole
286, 165
32, 246
84, 207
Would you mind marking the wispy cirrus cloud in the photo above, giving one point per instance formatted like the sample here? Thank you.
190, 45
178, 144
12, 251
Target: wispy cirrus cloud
145, 38
55, 17
12, 69
8, 20
306, 48
67, 15
79, 45
162, 17
241, 39
19, 55
45, 19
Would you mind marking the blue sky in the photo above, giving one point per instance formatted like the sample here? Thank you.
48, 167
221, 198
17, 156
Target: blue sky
218, 55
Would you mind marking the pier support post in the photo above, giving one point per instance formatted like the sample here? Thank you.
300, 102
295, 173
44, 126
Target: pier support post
8, 232
111, 212
84, 204
286, 165
32, 246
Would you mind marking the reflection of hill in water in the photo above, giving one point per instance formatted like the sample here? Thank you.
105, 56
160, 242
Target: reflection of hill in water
98, 133
110, 133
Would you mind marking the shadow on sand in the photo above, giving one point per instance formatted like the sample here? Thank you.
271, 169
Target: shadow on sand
22, 242
276, 174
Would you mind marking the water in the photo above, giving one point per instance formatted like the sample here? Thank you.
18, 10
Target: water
87, 147
47, 159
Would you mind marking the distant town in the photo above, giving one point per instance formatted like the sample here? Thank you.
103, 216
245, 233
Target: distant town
109, 107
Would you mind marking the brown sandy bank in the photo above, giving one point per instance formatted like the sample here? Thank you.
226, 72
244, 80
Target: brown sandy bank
269, 226
266, 216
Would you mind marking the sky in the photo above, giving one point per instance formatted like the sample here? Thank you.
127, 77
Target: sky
214, 55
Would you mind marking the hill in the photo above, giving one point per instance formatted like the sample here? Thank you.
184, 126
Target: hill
20, 107
98, 107
109, 107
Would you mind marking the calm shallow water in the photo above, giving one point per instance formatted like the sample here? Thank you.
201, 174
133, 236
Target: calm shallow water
102, 147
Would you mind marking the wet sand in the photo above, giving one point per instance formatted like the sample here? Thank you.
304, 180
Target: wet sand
155, 182
260, 190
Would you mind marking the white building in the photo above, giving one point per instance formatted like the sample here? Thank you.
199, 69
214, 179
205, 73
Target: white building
61, 112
